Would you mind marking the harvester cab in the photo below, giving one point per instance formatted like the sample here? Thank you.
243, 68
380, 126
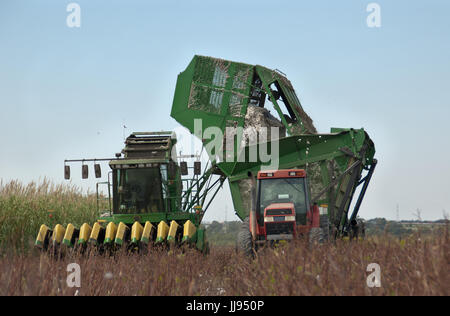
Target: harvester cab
143, 178
155, 200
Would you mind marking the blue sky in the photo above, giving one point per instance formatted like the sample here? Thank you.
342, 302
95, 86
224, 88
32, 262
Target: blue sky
66, 92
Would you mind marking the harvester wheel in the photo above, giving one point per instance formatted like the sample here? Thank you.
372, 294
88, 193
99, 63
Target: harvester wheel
244, 239
325, 226
315, 236
206, 250
358, 230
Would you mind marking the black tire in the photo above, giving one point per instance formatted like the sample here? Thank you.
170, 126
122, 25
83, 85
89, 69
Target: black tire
325, 226
362, 228
315, 236
206, 249
244, 243
359, 230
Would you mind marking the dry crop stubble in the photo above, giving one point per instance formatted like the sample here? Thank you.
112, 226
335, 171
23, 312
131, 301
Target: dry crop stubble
417, 265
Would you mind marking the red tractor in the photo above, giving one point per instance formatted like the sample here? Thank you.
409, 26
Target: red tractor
281, 210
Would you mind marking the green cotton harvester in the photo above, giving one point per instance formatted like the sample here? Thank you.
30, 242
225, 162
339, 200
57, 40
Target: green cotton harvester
248, 104
286, 180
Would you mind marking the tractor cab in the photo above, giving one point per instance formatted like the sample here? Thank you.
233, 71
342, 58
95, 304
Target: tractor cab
282, 203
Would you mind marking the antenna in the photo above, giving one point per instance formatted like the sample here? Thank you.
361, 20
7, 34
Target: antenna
124, 127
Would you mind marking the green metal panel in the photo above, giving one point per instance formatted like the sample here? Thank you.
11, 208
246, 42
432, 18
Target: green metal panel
303, 124
213, 90
300, 151
217, 91
201, 240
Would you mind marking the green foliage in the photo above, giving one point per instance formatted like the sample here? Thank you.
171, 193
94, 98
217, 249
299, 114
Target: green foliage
225, 233
400, 229
23, 208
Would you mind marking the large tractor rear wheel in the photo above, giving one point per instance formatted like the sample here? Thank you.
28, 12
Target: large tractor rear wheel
244, 242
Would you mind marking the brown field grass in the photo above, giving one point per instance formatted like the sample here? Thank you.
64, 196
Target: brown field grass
417, 265
413, 266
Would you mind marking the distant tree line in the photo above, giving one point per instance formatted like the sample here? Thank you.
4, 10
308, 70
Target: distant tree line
378, 226
225, 233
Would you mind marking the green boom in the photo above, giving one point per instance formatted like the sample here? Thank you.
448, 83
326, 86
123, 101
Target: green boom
221, 93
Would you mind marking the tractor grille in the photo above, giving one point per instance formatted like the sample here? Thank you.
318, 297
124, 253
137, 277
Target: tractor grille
279, 228
278, 212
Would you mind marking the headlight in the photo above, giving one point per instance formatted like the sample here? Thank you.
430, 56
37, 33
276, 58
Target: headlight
268, 219
289, 218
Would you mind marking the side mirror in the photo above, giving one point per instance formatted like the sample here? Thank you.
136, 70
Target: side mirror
172, 169
197, 167
84, 171
184, 168
98, 170
67, 172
